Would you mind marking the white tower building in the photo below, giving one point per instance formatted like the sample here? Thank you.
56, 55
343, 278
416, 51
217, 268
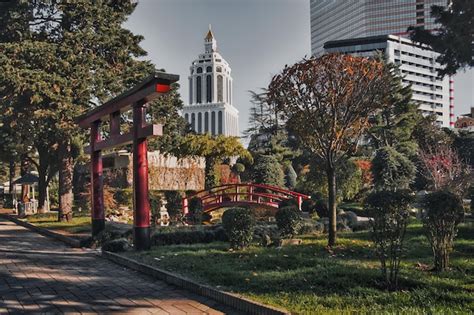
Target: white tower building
210, 108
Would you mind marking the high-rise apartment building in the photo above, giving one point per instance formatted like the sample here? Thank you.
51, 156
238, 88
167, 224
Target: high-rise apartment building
362, 27
417, 65
346, 19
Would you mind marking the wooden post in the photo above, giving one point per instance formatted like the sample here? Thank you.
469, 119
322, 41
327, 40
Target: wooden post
141, 220
97, 182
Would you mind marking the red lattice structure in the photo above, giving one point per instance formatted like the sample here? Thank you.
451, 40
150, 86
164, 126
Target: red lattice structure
245, 194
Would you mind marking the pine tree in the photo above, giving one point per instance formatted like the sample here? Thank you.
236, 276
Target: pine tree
65, 59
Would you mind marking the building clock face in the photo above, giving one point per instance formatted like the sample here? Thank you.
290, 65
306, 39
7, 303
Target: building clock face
210, 108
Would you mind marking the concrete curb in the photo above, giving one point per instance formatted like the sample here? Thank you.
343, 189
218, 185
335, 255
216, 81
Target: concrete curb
234, 300
45, 232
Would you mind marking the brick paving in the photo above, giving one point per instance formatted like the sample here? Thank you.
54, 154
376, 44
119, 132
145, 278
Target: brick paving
40, 275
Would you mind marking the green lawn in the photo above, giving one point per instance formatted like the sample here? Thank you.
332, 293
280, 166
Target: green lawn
310, 279
79, 224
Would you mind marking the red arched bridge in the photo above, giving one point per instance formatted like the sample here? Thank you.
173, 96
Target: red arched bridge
231, 195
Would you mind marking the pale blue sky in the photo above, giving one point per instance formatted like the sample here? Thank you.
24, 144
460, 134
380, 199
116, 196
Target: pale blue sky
256, 37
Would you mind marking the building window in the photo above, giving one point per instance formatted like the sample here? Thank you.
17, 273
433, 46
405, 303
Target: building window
219, 69
186, 117
209, 88
199, 70
206, 122
193, 121
209, 69
200, 123
198, 90
219, 122
213, 123
220, 88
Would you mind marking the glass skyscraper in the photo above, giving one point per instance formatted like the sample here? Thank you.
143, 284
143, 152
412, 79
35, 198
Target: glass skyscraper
346, 19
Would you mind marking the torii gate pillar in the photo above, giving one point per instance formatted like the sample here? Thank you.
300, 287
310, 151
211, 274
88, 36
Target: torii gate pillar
135, 99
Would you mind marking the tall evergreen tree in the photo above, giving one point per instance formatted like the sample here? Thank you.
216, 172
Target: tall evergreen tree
66, 59
453, 40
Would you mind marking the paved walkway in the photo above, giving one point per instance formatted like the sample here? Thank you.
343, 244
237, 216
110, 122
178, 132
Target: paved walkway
40, 275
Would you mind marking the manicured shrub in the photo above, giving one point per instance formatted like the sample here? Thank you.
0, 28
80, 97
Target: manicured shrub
443, 211
267, 170
117, 245
185, 236
238, 224
390, 212
195, 210
289, 221
174, 202
392, 170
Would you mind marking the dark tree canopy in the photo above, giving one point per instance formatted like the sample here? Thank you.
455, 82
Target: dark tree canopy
454, 39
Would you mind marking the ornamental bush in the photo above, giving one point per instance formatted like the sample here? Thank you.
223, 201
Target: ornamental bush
390, 213
443, 211
239, 225
289, 221
392, 170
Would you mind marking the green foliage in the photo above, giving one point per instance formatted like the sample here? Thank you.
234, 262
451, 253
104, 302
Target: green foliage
464, 146
238, 168
289, 221
51, 73
214, 149
195, 210
189, 237
392, 170
174, 202
394, 125
443, 211
390, 213
288, 203
238, 224
267, 170
116, 245
124, 197
453, 39
290, 177
349, 180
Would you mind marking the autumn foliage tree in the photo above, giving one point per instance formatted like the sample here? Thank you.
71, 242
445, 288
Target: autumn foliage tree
327, 103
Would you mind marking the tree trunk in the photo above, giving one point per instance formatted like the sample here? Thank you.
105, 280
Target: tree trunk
24, 167
42, 190
331, 175
11, 177
65, 182
43, 180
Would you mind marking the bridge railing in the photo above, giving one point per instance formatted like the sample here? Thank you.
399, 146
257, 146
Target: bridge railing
243, 193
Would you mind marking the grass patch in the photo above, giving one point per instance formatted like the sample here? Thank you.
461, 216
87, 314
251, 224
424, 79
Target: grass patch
80, 223
310, 279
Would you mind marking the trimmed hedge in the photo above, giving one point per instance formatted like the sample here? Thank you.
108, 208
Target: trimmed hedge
189, 237
289, 221
239, 225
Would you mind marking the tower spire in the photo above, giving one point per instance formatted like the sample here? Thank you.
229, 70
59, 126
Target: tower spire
210, 44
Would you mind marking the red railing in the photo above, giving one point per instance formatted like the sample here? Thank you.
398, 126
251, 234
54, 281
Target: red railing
243, 194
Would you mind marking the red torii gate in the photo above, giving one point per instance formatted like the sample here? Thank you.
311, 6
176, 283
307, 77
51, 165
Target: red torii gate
135, 99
